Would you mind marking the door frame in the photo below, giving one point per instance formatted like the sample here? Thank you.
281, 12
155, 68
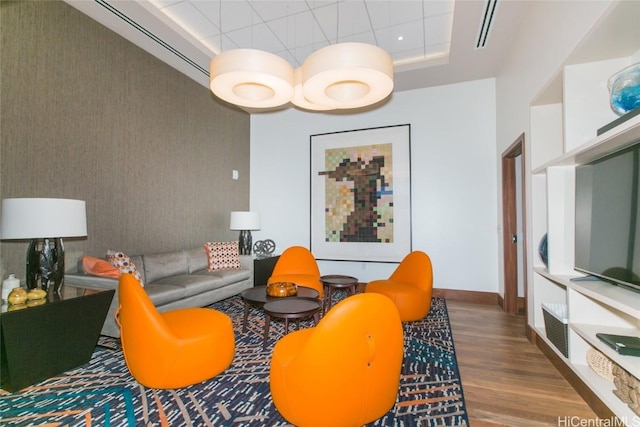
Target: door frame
510, 225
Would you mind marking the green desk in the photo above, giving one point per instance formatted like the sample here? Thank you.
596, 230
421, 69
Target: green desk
44, 341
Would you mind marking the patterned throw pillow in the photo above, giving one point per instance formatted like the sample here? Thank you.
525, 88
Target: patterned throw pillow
124, 264
222, 256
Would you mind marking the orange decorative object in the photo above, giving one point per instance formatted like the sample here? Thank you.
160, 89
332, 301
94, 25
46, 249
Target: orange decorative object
343, 372
172, 349
409, 287
298, 265
282, 289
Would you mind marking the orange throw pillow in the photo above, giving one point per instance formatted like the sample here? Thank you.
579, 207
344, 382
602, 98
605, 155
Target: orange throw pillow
99, 267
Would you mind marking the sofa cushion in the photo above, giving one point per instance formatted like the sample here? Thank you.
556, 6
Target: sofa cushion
158, 266
197, 258
192, 284
124, 264
164, 294
226, 277
222, 256
98, 267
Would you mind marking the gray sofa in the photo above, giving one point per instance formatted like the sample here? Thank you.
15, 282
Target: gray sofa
172, 280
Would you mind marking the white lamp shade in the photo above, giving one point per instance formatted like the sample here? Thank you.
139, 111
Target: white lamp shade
245, 221
25, 218
347, 75
251, 78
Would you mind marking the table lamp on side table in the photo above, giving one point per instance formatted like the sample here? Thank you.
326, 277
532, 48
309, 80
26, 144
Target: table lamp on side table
245, 222
45, 222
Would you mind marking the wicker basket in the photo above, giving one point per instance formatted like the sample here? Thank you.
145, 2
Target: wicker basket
556, 325
627, 388
600, 363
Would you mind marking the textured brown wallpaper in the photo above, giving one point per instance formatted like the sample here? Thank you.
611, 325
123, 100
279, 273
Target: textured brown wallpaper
85, 114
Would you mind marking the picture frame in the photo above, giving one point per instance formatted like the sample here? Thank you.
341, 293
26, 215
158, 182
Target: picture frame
361, 194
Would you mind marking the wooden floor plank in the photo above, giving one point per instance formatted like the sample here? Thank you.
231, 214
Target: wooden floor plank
506, 380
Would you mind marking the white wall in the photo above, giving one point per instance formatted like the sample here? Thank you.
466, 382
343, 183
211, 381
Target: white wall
548, 35
454, 170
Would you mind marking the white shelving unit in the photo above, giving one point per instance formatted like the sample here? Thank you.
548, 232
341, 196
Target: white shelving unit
565, 117
593, 306
613, 140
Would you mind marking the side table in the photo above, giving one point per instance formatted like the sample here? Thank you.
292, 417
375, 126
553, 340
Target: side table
290, 308
262, 269
257, 297
336, 281
43, 341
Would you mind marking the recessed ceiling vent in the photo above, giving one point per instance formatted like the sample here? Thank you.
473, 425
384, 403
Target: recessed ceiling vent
152, 36
487, 23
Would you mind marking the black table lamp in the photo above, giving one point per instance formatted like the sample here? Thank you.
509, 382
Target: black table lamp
245, 222
45, 222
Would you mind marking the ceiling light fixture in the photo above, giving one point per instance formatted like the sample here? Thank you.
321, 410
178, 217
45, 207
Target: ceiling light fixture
347, 75
251, 78
339, 76
298, 97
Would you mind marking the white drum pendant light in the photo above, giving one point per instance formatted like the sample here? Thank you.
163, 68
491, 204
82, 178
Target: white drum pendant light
251, 78
347, 75
298, 98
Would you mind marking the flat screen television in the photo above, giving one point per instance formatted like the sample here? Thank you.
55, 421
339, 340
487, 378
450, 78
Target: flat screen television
607, 224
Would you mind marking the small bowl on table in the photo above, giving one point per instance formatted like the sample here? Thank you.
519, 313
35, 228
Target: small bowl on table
282, 289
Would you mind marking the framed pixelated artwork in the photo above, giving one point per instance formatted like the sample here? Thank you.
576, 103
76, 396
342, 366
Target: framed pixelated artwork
361, 194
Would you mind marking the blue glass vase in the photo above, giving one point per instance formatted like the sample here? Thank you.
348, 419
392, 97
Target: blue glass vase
543, 250
624, 90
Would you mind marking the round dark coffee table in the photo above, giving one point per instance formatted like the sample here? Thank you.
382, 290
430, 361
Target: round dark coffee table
290, 308
257, 297
336, 281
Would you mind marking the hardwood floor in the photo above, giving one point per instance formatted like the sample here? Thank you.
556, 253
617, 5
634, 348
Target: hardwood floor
506, 380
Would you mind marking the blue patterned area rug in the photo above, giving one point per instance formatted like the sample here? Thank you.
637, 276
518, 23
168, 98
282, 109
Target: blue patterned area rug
102, 392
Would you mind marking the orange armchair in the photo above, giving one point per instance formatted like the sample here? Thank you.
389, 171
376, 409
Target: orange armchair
343, 372
298, 265
172, 349
409, 287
